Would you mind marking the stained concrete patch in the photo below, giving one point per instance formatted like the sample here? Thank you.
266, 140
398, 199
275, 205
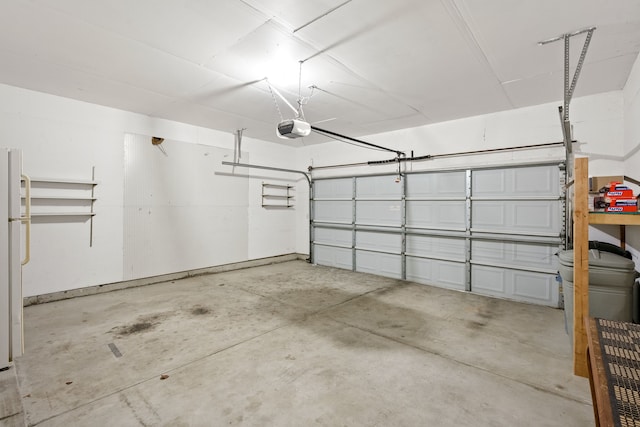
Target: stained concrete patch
200, 310
142, 324
473, 324
135, 328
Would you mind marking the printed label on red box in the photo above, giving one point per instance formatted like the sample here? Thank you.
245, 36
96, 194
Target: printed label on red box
621, 209
619, 193
623, 202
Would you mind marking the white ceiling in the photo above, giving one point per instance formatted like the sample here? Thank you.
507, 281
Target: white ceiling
378, 65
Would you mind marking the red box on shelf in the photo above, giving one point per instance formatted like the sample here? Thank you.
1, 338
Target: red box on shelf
606, 202
623, 201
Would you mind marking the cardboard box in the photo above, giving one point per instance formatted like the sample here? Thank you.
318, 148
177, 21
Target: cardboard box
597, 182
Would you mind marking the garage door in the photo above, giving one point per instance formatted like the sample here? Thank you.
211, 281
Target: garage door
488, 231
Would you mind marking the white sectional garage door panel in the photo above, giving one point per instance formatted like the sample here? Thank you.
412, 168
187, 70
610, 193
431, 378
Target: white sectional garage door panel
527, 286
518, 203
378, 241
516, 182
340, 188
333, 256
333, 211
379, 253
527, 256
378, 203
378, 187
446, 248
438, 215
437, 184
527, 217
333, 205
491, 231
382, 264
444, 274
333, 237
378, 213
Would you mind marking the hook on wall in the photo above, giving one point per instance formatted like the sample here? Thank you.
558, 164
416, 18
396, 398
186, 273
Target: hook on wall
157, 141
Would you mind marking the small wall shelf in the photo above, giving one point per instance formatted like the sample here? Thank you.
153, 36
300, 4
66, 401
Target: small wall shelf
64, 181
42, 214
277, 196
53, 195
62, 197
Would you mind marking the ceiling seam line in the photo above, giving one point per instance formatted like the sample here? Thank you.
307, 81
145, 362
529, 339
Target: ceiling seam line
454, 12
561, 70
380, 89
172, 99
157, 49
321, 16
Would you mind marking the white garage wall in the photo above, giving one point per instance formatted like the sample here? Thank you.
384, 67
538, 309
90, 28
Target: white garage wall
63, 138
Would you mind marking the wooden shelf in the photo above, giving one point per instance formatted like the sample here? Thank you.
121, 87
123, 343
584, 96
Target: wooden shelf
581, 220
614, 218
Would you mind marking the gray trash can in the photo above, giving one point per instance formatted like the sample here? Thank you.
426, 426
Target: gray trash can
611, 279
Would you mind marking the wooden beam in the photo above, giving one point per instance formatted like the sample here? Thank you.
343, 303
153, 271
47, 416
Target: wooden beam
580, 265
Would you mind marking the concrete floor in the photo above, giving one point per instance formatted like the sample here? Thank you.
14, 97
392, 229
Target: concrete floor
293, 344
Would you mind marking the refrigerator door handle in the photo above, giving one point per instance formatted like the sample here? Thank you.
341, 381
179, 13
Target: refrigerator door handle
26, 219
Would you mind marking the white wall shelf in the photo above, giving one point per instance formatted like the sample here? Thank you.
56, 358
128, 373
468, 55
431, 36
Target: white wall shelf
49, 195
64, 181
277, 196
80, 214
63, 197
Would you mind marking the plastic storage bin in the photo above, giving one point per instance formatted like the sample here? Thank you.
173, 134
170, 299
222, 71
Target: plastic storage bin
611, 279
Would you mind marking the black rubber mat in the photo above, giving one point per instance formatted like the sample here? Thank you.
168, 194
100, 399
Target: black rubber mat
620, 347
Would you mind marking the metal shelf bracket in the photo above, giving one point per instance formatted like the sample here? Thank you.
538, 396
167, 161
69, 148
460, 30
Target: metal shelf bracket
570, 83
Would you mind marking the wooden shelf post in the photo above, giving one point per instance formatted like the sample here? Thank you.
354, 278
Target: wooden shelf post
580, 265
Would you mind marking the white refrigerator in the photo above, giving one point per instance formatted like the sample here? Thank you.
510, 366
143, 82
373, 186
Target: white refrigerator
13, 214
